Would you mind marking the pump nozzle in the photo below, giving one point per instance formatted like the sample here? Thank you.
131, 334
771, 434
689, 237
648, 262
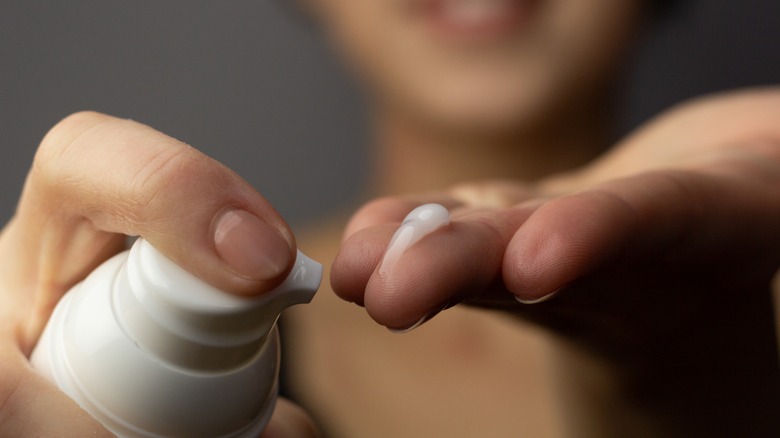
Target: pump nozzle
163, 306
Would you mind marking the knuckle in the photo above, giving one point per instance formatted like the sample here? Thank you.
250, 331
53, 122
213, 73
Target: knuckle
108, 165
167, 167
121, 175
66, 132
60, 141
165, 175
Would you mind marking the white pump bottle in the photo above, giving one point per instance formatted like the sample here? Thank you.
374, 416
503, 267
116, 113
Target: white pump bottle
150, 350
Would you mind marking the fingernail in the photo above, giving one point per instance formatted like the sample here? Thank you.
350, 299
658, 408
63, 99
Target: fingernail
422, 221
253, 249
537, 300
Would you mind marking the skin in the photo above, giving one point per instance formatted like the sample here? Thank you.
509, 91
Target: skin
564, 53
636, 308
635, 246
452, 106
662, 252
642, 339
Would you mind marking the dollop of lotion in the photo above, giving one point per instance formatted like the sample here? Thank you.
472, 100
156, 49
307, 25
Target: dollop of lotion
421, 222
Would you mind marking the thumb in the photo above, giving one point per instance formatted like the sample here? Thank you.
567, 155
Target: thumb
95, 176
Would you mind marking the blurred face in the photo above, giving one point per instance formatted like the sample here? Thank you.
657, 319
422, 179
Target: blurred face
479, 63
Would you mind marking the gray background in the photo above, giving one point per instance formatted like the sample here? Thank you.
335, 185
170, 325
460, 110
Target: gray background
251, 84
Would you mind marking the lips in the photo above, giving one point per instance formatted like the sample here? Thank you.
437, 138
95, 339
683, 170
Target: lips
475, 19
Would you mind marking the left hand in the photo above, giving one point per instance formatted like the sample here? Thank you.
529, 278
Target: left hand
662, 252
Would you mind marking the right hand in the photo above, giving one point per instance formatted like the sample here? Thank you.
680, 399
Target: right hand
94, 180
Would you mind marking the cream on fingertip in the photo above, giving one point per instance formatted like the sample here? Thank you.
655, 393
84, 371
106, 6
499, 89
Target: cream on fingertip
421, 222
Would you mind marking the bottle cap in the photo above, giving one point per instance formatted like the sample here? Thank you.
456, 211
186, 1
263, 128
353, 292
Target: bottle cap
191, 323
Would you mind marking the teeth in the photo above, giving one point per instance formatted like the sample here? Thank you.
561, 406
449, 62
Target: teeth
475, 11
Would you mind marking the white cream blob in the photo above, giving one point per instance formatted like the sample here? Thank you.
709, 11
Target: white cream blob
421, 222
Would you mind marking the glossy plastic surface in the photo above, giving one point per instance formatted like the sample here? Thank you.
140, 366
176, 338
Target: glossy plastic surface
150, 350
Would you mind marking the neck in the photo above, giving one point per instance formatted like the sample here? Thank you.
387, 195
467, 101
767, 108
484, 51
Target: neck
413, 159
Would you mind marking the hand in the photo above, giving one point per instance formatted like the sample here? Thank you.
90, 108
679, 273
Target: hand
290, 421
94, 180
661, 254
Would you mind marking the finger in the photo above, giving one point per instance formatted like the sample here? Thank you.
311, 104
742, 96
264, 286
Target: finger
31, 406
290, 421
680, 217
392, 210
96, 175
357, 260
492, 193
460, 261
472, 195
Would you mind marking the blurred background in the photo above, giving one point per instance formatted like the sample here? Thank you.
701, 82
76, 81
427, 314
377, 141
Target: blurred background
251, 84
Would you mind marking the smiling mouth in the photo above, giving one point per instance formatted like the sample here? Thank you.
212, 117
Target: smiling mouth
475, 19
